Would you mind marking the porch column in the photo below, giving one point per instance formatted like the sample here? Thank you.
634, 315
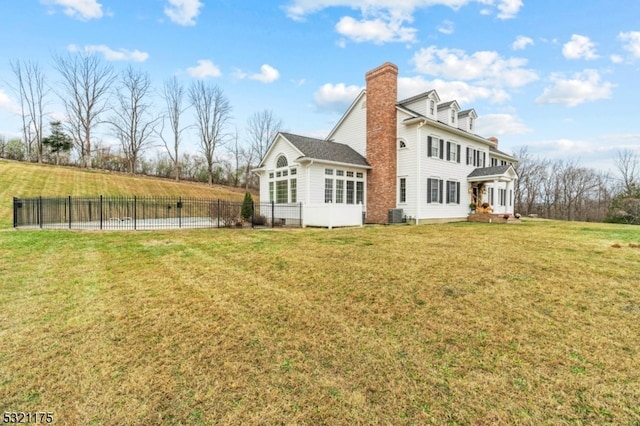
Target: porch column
508, 208
496, 197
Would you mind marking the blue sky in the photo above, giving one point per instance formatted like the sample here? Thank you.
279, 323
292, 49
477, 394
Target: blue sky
559, 77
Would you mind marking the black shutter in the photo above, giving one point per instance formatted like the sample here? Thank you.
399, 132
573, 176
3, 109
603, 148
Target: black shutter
468, 152
429, 143
484, 159
458, 154
428, 190
448, 151
448, 199
457, 192
442, 149
441, 182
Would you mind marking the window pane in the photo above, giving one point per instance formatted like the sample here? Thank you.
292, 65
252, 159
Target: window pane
282, 161
350, 191
403, 190
328, 172
359, 192
281, 191
293, 186
339, 191
328, 190
270, 191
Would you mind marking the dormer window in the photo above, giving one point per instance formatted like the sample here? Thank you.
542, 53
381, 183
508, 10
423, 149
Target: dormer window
470, 123
432, 107
453, 116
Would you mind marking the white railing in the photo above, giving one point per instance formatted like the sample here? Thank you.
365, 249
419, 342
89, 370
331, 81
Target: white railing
331, 215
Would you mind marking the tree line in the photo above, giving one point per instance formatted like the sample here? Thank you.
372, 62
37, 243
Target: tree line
565, 190
97, 98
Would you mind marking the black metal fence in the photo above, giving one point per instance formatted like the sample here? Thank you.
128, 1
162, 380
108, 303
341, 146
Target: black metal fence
140, 213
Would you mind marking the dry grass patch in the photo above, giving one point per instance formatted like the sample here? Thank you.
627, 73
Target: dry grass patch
457, 323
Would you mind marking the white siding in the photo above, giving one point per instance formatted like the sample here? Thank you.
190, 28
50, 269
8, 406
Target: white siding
282, 147
353, 129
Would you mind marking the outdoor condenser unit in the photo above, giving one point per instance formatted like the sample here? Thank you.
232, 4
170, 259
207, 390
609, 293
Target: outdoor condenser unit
395, 216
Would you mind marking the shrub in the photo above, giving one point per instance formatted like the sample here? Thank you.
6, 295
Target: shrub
247, 206
260, 220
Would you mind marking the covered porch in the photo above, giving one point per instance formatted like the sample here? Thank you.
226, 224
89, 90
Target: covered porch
491, 190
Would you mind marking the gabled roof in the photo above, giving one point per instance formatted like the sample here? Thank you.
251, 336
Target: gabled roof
319, 149
467, 112
450, 104
496, 172
431, 94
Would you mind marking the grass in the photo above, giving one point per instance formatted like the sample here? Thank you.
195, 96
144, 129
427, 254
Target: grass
465, 323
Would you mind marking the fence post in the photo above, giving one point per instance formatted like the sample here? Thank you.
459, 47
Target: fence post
69, 211
15, 212
100, 212
40, 211
179, 206
135, 206
273, 213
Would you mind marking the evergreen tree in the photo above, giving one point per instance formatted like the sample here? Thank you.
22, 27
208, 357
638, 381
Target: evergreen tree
247, 206
58, 141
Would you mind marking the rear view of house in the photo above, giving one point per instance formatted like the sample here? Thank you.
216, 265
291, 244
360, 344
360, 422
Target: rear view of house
386, 160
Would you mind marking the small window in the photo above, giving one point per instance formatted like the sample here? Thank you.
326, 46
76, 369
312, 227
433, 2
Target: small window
278, 174
453, 116
285, 173
403, 190
359, 175
432, 107
349, 174
271, 175
339, 172
470, 123
328, 172
282, 162
294, 172
402, 144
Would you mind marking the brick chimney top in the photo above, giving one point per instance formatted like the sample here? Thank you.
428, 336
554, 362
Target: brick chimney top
494, 140
384, 68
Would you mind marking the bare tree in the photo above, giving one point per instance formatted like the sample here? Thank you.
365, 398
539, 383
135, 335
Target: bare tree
31, 91
213, 112
237, 152
132, 119
262, 127
173, 93
627, 163
531, 172
85, 88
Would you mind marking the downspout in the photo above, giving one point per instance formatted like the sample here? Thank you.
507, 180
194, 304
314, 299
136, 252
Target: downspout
418, 174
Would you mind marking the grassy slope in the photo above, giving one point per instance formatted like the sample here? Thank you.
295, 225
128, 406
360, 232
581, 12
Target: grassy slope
465, 323
31, 180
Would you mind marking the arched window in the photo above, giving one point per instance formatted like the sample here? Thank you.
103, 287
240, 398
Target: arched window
401, 144
282, 162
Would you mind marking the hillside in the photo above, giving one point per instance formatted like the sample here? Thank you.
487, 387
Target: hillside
18, 179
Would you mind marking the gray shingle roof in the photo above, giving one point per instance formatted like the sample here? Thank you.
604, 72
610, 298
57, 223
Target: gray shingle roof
320, 149
416, 97
489, 171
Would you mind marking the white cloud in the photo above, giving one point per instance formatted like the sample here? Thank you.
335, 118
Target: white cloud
500, 125
267, 74
461, 91
335, 97
509, 8
447, 27
183, 12
110, 54
582, 87
204, 69
522, 42
78, 9
616, 59
8, 104
485, 67
383, 21
631, 42
580, 47
379, 30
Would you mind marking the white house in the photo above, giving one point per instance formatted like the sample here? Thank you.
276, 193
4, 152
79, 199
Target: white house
416, 159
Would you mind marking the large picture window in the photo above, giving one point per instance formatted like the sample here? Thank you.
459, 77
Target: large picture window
328, 190
282, 191
293, 189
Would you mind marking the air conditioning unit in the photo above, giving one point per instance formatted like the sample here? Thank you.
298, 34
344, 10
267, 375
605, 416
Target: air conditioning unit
395, 216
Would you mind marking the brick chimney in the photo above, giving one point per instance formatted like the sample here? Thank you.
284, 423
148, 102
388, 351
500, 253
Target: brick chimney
494, 140
382, 96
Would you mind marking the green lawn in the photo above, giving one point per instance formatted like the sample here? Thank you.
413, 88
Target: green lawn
467, 323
